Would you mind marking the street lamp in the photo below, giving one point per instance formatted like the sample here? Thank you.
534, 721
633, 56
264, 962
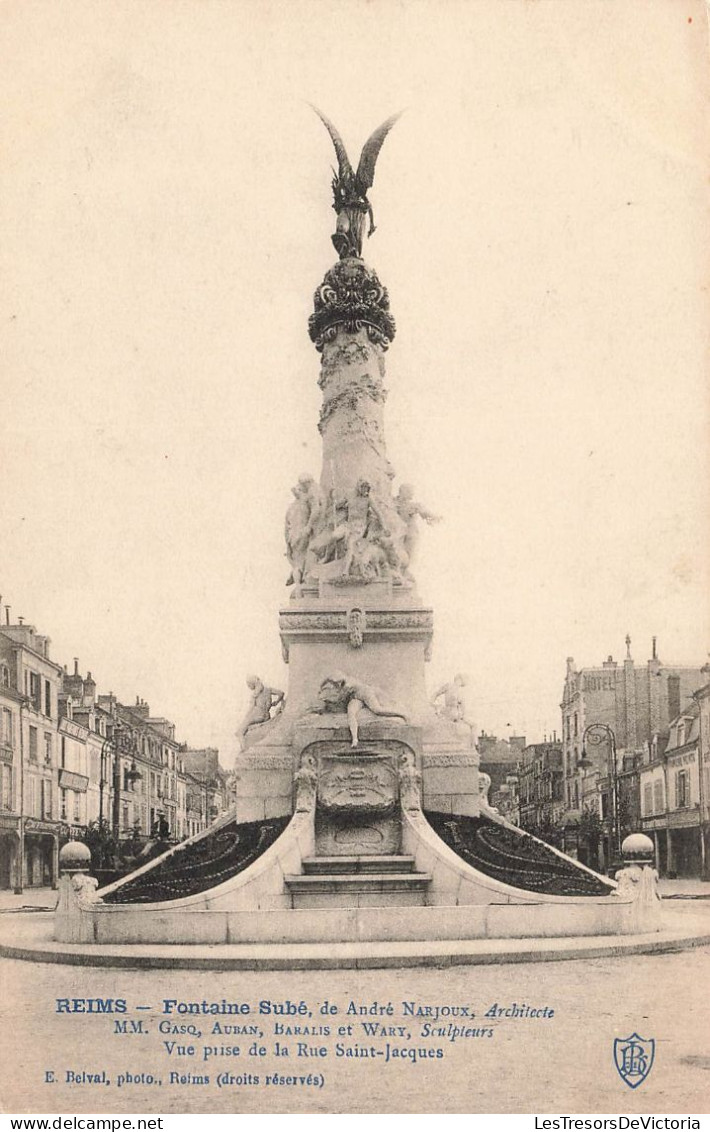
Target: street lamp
120, 741
595, 733
106, 746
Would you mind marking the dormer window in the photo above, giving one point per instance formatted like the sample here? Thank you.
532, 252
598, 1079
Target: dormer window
681, 734
4, 676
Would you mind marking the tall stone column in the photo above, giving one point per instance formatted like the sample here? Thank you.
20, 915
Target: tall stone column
354, 632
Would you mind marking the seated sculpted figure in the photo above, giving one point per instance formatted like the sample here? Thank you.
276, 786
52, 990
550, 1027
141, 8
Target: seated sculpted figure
454, 705
339, 692
263, 699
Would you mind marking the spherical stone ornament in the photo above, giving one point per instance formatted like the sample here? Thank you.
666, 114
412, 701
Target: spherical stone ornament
74, 857
638, 847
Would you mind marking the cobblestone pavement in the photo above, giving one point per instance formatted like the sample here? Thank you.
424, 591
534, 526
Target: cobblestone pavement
562, 1063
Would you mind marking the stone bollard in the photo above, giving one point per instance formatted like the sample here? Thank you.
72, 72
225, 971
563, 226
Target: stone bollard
638, 881
76, 890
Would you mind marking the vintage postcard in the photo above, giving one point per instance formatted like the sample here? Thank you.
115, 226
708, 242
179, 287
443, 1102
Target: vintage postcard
354, 683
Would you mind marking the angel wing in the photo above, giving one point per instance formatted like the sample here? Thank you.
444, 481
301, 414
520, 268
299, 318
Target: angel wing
370, 151
345, 169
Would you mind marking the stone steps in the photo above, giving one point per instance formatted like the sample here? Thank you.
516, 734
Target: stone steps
353, 865
348, 882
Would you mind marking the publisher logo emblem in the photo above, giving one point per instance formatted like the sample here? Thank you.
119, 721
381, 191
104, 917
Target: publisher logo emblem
633, 1057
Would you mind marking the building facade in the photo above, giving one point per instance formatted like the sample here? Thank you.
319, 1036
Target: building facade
541, 787
206, 787
499, 757
506, 799
702, 698
73, 763
634, 705
31, 822
671, 812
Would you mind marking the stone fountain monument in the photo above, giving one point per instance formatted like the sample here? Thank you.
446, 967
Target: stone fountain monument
356, 793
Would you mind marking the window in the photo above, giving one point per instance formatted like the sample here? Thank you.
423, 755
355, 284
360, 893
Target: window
5, 676
33, 744
681, 734
63, 753
576, 725
7, 727
36, 691
46, 790
77, 806
681, 790
658, 806
47, 698
63, 804
6, 788
648, 799
47, 749
124, 821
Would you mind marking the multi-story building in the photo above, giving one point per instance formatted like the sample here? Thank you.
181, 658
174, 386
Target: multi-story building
71, 760
206, 787
635, 705
702, 698
670, 784
499, 757
541, 786
506, 800
145, 770
85, 732
11, 722
31, 825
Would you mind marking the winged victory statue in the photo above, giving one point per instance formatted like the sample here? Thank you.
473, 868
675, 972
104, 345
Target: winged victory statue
350, 199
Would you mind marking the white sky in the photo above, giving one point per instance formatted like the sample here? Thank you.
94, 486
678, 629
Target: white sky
543, 232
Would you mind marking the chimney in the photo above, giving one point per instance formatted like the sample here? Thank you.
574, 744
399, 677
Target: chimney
673, 696
76, 665
7, 614
654, 654
20, 620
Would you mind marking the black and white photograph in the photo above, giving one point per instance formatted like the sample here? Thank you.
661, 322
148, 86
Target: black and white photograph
354, 620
